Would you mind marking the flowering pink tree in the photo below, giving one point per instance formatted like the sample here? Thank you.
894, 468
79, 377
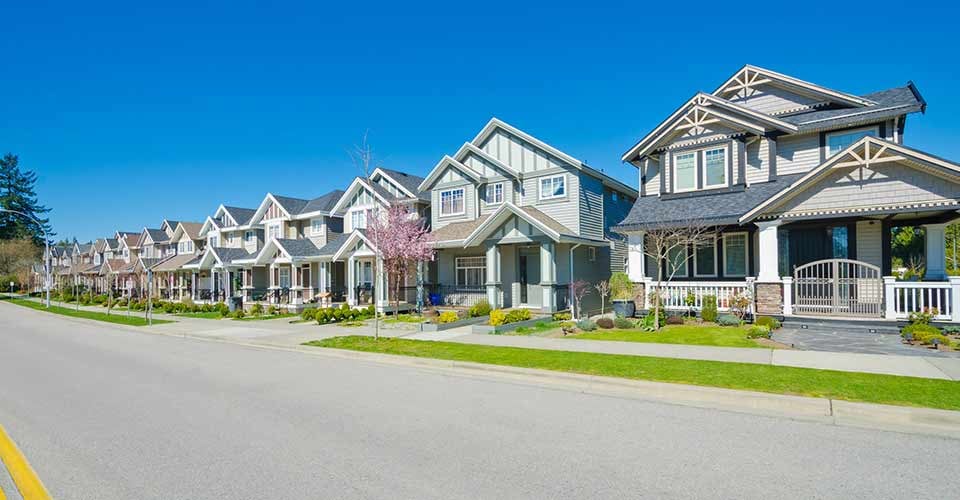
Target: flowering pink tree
402, 241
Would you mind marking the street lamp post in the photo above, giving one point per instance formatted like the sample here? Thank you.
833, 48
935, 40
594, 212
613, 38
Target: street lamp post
46, 251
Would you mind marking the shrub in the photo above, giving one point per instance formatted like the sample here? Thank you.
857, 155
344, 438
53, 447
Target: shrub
308, 314
497, 317
623, 323
518, 315
951, 329
272, 310
767, 321
937, 339
99, 299
223, 309
169, 307
562, 316
238, 314
923, 317
586, 325
121, 303
674, 320
919, 331
709, 312
621, 288
481, 308
187, 301
370, 311
728, 320
758, 331
605, 323
648, 323
322, 316
448, 317
257, 309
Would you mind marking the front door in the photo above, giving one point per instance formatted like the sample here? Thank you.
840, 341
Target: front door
523, 279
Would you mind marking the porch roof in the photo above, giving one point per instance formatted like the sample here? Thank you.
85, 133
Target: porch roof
175, 262
223, 256
720, 206
466, 234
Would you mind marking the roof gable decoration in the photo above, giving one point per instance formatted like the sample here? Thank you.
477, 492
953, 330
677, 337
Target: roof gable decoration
749, 77
350, 244
863, 153
145, 238
270, 208
469, 148
358, 183
504, 213
209, 224
448, 162
273, 251
379, 172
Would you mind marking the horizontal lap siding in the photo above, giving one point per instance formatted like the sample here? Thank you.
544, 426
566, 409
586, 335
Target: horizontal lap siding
757, 162
869, 241
798, 154
592, 223
564, 210
508, 196
452, 179
770, 99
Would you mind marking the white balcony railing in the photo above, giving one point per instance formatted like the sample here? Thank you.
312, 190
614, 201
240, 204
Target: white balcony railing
905, 297
675, 294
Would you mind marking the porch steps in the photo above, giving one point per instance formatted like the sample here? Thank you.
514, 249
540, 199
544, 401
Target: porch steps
834, 324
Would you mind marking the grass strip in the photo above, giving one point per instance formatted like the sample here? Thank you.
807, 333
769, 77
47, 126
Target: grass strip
865, 387
721, 336
201, 315
120, 319
268, 316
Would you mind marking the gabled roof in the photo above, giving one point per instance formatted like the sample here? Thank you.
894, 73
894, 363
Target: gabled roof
99, 245
441, 166
208, 224
889, 103
408, 182
350, 241
754, 75
169, 226
294, 250
240, 215
544, 223
112, 243
155, 235
868, 150
357, 184
298, 207
223, 256
322, 204
175, 262
191, 229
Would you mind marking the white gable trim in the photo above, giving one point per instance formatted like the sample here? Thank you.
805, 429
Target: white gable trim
208, 225
354, 238
351, 191
444, 162
760, 75
262, 209
469, 148
381, 172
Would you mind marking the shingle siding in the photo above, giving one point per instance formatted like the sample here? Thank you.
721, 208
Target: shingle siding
770, 99
798, 153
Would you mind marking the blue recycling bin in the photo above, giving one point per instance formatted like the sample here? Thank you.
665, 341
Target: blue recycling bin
435, 299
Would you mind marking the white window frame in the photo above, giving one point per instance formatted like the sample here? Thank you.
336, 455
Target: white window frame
746, 254
673, 170
726, 166
703, 244
280, 280
358, 219
592, 254
492, 193
826, 140
316, 227
249, 237
274, 227
457, 267
214, 240
551, 195
463, 204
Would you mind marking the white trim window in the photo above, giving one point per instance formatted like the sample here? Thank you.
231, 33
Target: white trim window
495, 193
592, 254
248, 237
316, 227
358, 219
838, 141
213, 240
452, 202
735, 255
715, 167
705, 259
273, 231
284, 277
677, 262
471, 272
684, 172
554, 186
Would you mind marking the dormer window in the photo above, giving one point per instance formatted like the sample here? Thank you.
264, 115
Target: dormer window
358, 219
495, 193
838, 141
705, 168
451, 202
316, 227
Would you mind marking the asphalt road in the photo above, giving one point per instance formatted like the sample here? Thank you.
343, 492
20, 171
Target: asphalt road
105, 413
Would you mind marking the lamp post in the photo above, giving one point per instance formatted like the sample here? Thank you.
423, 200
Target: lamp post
46, 251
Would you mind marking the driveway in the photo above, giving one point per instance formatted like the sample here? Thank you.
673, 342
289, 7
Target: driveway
853, 341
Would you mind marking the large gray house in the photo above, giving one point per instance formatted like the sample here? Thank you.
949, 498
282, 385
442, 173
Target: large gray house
803, 185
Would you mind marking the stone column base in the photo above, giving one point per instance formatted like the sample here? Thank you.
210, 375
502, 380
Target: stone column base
640, 295
769, 298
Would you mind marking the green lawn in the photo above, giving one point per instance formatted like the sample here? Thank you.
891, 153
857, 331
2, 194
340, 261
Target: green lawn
201, 315
404, 318
723, 336
268, 316
885, 389
122, 319
537, 328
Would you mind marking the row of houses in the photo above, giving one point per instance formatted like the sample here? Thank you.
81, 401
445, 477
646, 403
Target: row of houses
802, 185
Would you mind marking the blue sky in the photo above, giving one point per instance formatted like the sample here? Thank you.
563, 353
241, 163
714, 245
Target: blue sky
131, 114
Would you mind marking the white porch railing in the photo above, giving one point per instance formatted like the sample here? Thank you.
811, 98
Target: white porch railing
674, 294
905, 297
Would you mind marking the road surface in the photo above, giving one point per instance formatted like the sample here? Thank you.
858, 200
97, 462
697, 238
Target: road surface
102, 412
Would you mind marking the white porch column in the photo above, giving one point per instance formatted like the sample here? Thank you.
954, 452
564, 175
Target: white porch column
889, 309
548, 276
493, 275
636, 260
936, 256
193, 287
954, 311
381, 288
351, 278
787, 295
768, 252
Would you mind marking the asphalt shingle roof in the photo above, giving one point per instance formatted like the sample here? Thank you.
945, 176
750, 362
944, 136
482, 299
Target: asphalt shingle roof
408, 181
323, 203
229, 254
334, 242
299, 248
241, 215
890, 102
719, 207
157, 235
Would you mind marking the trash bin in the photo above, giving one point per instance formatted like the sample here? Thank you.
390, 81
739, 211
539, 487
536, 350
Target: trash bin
236, 303
435, 299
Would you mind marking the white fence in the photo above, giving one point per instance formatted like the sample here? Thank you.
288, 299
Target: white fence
905, 297
676, 293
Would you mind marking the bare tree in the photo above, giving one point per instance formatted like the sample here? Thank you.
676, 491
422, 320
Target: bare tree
364, 160
671, 246
603, 288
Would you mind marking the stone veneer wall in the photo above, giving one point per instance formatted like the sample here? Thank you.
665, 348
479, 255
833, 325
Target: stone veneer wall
769, 298
639, 296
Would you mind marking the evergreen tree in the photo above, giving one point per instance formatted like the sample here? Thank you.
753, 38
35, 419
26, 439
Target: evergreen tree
17, 193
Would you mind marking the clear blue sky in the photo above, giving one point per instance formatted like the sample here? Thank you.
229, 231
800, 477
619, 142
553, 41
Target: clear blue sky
131, 114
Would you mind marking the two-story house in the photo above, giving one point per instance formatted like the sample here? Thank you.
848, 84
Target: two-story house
515, 220
179, 272
803, 185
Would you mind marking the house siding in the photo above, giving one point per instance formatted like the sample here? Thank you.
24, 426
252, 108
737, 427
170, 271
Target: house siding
869, 242
798, 153
564, 210
592, 218
772, 99
470, 204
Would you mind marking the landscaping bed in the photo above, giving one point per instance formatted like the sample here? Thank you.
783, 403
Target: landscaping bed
865, 387
920, 333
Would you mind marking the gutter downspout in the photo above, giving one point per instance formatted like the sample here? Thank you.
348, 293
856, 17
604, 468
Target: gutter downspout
570, 280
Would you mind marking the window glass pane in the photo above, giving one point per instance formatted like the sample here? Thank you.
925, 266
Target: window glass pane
677, 262
716, 166
837, 142
451, 202
471, 271
686, 171
840, 242
783, 244
735, 255
706, 265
